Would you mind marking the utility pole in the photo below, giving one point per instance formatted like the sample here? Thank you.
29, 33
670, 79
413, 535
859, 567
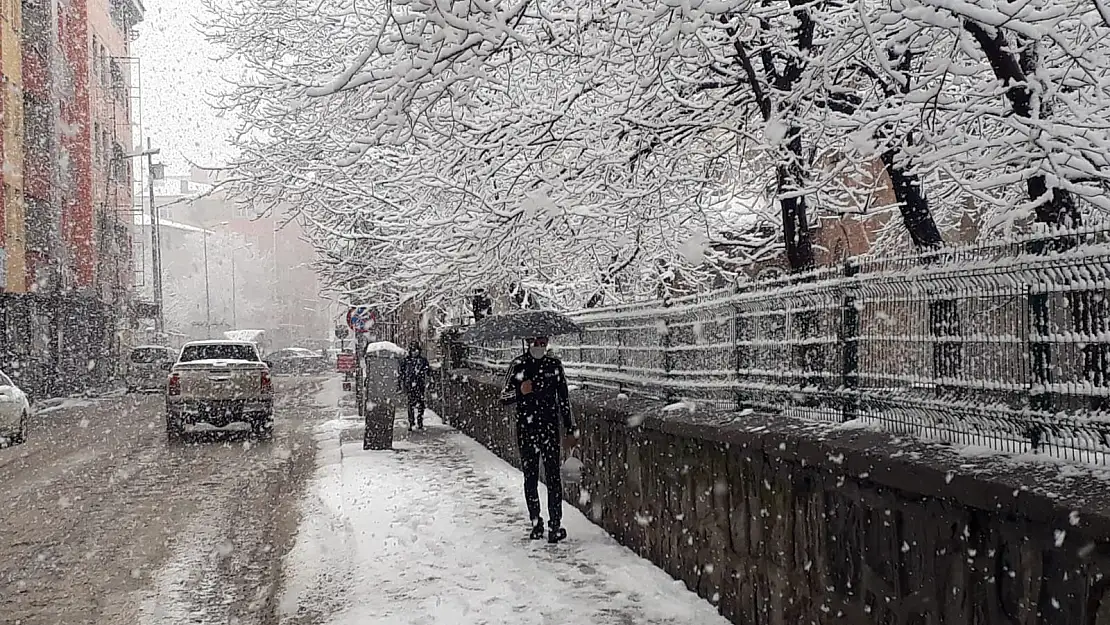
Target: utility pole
155, 242
207, 293
234, 294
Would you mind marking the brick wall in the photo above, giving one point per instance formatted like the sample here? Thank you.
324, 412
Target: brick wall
783, 522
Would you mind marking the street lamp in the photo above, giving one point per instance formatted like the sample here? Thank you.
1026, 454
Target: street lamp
234, 291
207, 290
207, 293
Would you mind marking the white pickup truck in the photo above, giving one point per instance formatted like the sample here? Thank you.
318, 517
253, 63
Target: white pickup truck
219, 383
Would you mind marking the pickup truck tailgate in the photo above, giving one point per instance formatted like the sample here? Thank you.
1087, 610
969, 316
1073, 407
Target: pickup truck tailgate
220, 379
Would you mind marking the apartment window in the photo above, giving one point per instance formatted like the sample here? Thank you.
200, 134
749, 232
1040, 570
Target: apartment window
118, 87
96, 141
120, 169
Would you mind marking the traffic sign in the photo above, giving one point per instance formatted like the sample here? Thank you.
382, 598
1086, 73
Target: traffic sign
345, 363
342, 332
361, 318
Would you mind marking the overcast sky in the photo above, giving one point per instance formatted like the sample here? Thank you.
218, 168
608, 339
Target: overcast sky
178, 78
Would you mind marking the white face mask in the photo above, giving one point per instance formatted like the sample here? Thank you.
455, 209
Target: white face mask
537, 352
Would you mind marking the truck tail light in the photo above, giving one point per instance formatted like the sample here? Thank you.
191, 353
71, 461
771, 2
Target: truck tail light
267, 383
174, 387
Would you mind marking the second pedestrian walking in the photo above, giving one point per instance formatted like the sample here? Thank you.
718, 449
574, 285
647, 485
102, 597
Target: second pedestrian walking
412, 380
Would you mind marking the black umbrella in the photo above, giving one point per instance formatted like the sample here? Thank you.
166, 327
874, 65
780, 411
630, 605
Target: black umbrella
520, 325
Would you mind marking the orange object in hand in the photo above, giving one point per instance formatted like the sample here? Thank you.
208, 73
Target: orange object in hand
526, 387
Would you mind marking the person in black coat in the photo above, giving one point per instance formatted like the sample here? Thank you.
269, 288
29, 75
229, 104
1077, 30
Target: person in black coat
412, 380
537, 385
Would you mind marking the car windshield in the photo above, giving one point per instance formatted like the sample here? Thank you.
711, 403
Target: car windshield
218, 351
149, 355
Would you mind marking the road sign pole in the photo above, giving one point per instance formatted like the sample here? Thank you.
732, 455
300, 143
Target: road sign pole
360, 381
341, 333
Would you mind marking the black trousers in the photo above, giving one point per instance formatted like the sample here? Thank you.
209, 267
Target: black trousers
416, 408
539, 442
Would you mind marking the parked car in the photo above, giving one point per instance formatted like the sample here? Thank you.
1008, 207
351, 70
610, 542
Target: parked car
219, 383
14, 409
297, 360
147, 367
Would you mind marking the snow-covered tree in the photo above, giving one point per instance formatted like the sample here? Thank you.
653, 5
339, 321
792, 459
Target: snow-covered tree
575, 148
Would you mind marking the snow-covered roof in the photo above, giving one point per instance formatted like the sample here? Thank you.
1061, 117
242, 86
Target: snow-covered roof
143, 220
218, 342
171, 187
245, 336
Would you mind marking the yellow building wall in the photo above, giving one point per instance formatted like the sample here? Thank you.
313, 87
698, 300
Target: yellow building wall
11, 77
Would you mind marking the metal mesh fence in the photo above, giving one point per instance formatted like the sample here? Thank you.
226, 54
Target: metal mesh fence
1004, 346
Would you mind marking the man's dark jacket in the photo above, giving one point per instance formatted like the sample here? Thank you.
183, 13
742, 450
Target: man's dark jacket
549, 399
412, 377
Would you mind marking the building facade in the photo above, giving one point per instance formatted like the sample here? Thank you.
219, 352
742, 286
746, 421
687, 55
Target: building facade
67, 132
13, 242
42, 222
78, 256
111, 25
65, 251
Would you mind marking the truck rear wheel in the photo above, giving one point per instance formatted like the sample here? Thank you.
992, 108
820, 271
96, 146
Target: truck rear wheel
262, 427
175, 429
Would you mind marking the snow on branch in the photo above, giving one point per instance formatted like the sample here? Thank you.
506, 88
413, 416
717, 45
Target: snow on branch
580, 150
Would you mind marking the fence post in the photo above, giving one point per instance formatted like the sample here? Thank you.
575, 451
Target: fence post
1040, 351
945, 327
738, 353
1089, 316
805, 325
1040, 399
665, 343
620, 360
849, 337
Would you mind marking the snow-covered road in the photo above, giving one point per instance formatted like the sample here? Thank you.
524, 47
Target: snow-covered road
103, 522
434, 533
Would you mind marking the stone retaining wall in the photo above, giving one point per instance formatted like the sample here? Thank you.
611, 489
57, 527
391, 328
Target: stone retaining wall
785, 522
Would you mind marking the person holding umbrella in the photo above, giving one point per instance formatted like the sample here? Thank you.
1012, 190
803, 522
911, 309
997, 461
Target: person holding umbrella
537, 385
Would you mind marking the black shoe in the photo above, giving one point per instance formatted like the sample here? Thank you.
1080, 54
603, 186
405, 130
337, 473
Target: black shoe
537, 530
420, 427
557, 534
410, 427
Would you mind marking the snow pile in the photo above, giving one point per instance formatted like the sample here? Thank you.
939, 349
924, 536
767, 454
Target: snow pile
685, 404
434, 532
64, 404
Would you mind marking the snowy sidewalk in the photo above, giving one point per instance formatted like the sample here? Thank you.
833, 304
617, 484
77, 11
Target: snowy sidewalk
434, 533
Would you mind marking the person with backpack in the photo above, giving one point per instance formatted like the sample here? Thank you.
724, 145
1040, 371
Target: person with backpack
537, 385
412, 380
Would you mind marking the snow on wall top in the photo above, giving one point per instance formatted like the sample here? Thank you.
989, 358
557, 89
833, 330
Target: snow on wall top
386, 347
